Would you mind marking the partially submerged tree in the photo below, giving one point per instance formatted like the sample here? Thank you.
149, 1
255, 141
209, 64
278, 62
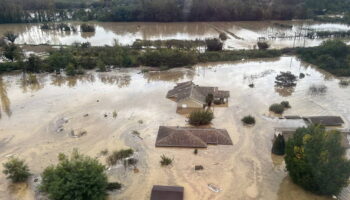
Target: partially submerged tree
248, 120
279, 145
10, 36
316, 160
77, 177
209, 99
263, 45
201, 117
286, 79
12, 52
277, 108
223, 36
16, 170
214, 44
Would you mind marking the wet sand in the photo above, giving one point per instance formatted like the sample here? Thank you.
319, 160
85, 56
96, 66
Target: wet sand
241, 35
246, 170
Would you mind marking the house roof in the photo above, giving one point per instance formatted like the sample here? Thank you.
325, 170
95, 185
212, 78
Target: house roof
191, 137
288, 134
190, 90
325, 120
167, 193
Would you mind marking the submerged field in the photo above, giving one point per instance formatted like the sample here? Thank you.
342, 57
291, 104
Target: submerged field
241, 35
32, 114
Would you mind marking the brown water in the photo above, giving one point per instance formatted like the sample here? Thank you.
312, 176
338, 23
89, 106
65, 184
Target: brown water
32, 113
242, 35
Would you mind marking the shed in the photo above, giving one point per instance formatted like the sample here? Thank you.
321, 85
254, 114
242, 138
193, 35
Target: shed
167, 193
325, 120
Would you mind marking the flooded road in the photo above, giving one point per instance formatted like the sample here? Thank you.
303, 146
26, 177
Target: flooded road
241, 35
32, 115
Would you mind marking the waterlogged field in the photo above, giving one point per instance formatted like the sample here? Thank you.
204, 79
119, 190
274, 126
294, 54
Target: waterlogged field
37, 119
241, 35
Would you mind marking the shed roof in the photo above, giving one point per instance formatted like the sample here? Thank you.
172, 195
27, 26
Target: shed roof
191, 137
325, 120
167, 193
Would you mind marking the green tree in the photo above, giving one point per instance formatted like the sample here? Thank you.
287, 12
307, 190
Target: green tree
76, 178
201, 117
34, 63
16, 170
10, 36
70, 70
279, 145
316, 160
12, 52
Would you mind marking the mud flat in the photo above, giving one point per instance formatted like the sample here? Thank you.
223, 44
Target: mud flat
36, 121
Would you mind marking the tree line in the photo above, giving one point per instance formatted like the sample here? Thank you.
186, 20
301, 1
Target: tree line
16, 11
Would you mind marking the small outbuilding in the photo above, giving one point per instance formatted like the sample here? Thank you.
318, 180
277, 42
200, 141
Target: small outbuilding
189, 137
167, 193
325, 120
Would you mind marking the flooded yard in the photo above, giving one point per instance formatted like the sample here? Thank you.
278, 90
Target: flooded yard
37, 119
241, 35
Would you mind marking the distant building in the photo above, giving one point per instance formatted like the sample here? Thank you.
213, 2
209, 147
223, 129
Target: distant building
189, 95
188, 137
167, 193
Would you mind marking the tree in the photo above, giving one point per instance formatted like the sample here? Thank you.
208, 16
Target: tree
279, 145
209, 99
10, 36
76, 178
286, 79
316, 160
70, 70
16, 170
214, 44
201, 117
12, 52
263, 45
34, 63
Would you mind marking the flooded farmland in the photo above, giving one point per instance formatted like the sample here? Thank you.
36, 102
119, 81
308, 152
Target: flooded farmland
37, 119
241, 35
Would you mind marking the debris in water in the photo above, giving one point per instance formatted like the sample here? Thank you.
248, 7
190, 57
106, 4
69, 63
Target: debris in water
140, 121
86, 115
78, 133
214, 188
115, 114
198, 167
137, 134
105, 115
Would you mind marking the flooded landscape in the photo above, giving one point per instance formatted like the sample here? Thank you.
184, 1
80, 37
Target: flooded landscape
241, 35
37, 119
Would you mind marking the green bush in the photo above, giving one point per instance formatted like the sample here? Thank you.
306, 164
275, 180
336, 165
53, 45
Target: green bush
201, 117
279, 145
214, 44
119, 155
16, 170
223, 36
165, 161
263, 45
285, 104
9, 66
316, 160
277, 108
70, 70
168, 58
249, 120
77, 177
87, 28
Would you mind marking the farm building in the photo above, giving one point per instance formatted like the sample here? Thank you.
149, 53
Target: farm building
188, 137
189, 95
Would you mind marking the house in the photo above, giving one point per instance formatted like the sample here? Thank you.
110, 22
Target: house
188, 137
167, 193
189, 95
288, 133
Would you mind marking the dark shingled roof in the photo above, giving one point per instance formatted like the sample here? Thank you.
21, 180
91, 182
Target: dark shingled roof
325, 120
167, 193
288, 134
191, 137
190, 90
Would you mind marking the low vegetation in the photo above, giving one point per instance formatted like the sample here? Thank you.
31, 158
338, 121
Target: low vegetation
285, 104
331, 55
201, 117
316, 161
263, 45
87, 28
16, 170
165, 161
277, 108
317, 89
248, 120
75, 177
214, 44
119, 155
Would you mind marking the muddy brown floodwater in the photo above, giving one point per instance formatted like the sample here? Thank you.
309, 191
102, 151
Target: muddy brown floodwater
241, 35
36, 120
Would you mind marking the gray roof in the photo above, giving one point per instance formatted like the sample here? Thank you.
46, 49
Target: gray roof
167, 193
325, 120
190, 90
188, 137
